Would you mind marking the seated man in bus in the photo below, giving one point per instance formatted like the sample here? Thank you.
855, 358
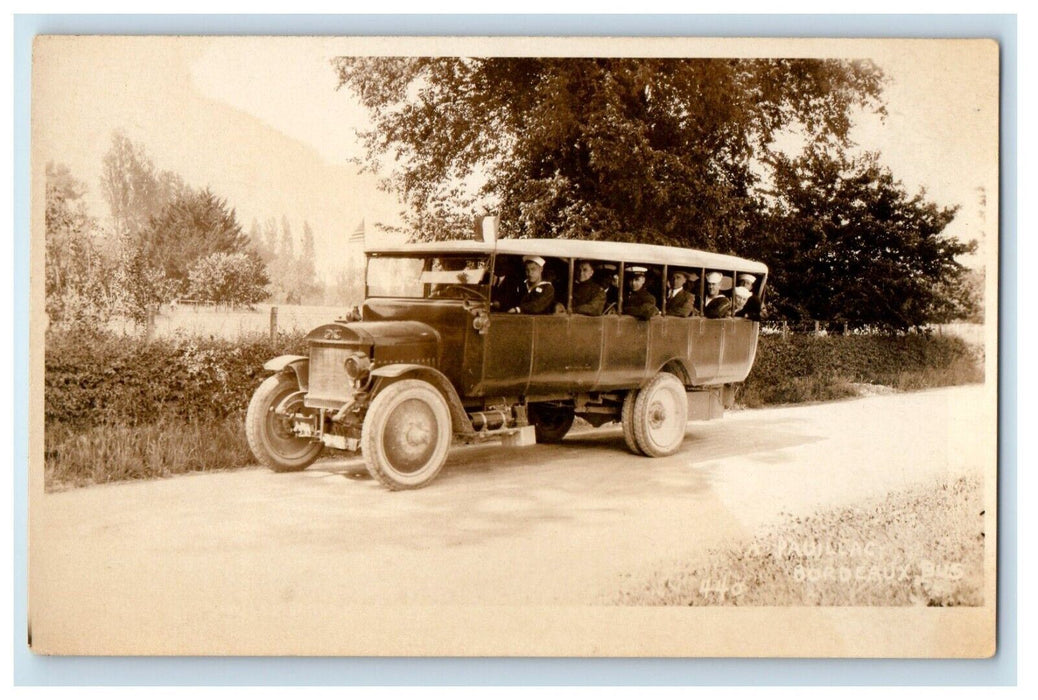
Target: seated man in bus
680, 302
504, 288
751, 307
589, 298
741, 296
639, 302
537, 295
717, 304
607, 278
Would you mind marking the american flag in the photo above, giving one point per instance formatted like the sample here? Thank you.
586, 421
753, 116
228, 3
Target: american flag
358, 234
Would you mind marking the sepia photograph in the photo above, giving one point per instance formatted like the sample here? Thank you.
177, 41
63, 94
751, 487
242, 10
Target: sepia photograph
470, 346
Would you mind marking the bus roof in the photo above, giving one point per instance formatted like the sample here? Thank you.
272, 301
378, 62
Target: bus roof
591, 250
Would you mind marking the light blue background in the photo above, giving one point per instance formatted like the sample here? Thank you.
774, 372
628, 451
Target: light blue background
30, 669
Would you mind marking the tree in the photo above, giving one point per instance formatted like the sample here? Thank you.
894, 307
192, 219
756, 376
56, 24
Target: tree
76, 273
652, 150
270, 236
308, 257
288, 250
850, 245
135, 190
194, 225
229, 278
140, 287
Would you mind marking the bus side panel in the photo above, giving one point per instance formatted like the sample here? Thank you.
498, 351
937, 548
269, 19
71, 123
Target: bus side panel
668, 339
508, 347
567, 351
624, 343
740, 346
704, 342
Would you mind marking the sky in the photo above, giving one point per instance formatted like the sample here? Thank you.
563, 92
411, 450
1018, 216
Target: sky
259, 120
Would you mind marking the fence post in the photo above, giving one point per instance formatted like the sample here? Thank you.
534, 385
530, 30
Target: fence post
844, 328
273, 324
785, 329
816, 327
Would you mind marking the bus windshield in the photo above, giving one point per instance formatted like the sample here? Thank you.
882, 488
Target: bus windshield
422, 277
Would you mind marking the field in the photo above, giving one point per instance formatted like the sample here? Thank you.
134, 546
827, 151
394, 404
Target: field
231, 324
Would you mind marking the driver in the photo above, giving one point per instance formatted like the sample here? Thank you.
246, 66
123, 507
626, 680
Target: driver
536, 295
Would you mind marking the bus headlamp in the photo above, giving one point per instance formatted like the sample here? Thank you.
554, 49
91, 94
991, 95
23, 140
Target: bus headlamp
357, 366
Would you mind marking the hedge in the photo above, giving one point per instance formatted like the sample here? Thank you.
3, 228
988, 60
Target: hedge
107, 379
798, 368
115, 380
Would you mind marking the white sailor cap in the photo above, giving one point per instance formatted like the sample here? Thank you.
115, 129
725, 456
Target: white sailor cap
534, 259
747, 277
714, 278
743, 292
637, 270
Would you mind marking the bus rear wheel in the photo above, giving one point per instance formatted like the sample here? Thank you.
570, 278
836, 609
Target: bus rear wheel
627, 421
660, 415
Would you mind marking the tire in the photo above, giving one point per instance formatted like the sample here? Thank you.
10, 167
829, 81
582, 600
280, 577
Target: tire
551, 423
406, 435
269, 436
660, 415
627, 420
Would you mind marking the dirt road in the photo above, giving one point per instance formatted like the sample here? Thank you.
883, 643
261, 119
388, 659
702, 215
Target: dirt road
199, 560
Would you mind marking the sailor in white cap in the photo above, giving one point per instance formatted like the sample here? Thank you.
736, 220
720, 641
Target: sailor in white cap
638, 302
537, 295
750, 306
742, 295
717, 304
681, 302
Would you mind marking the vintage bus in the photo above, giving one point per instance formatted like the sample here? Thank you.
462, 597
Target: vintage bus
457, 341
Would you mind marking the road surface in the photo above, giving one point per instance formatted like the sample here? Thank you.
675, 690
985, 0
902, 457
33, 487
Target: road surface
199, 559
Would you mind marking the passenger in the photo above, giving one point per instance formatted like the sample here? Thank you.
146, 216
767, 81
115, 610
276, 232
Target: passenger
717, 304
607, 279
638, 302
589, 298
681, 302
504, 293
537, 295
751, 307
742, 295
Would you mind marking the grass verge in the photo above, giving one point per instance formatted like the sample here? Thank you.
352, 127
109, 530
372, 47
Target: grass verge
171, 446
922, 546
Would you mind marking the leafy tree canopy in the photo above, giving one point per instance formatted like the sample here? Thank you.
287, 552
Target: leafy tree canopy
850, 245
658, 150
195, 224
77, 275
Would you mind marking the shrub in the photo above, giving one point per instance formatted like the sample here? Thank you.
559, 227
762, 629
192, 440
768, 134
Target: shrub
800, 368
105, 379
